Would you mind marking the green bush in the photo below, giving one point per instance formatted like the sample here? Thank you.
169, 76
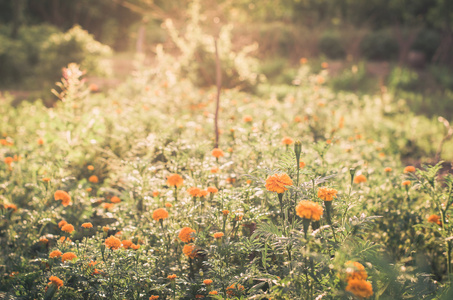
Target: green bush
379, 46
427, 41
19, 57
330, 45
76, 45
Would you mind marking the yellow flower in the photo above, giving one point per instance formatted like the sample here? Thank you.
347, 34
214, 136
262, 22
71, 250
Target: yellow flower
278, 182
287, 140
160, 214
113, 243
190, 250
68, 228
406, 183
409, 169
55, 280
309, 210
55, 254
435, 219
355, 270
115, 199
126, 244
93, 179
218, 235
186, 234
207, 281
360, 288
217, 153
63, 196
175, 180
68, 256
212, 190
360, 178
172, 277
327, 194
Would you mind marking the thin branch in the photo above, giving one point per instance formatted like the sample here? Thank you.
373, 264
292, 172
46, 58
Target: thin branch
219, 86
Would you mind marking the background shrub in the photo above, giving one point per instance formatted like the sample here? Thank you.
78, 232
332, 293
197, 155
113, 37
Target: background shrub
379, 46
76, 45
427, 41
331, 46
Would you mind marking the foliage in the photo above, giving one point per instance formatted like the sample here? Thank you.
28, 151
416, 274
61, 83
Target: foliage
379, 45
330, 45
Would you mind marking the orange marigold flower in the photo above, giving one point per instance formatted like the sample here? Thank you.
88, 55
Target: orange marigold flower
186, 234
327, 194
287, 140
213, 293
90, 167
409, 169
156, 193
127, 244
89, 189
278, 182
115, 199
160, 214
46, 179
190, 250
212, 190
360, 178
172, 277
105, 228
301, 165
13, 207
108, 206
93, 179
248, 119
360, 288
87, 225
232, 289
388, 170
303, 61
434, 219
215, 170
217, 153
55, 280
9, 160
63, 196
355, 270
153, 297
55, 254
203, 193
225, 212
218, 235
406, 183
62, 223
309, 210
207, 281
44, 240
324, 65
135, 247
194, 191
199, 296
175, 180
168, 205
68, 228
68, 256
64, 239
113, 243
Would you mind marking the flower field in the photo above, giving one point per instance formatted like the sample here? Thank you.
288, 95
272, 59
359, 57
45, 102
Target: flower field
309, 194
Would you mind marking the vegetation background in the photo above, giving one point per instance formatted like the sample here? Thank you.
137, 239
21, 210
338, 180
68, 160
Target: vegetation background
319, 168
